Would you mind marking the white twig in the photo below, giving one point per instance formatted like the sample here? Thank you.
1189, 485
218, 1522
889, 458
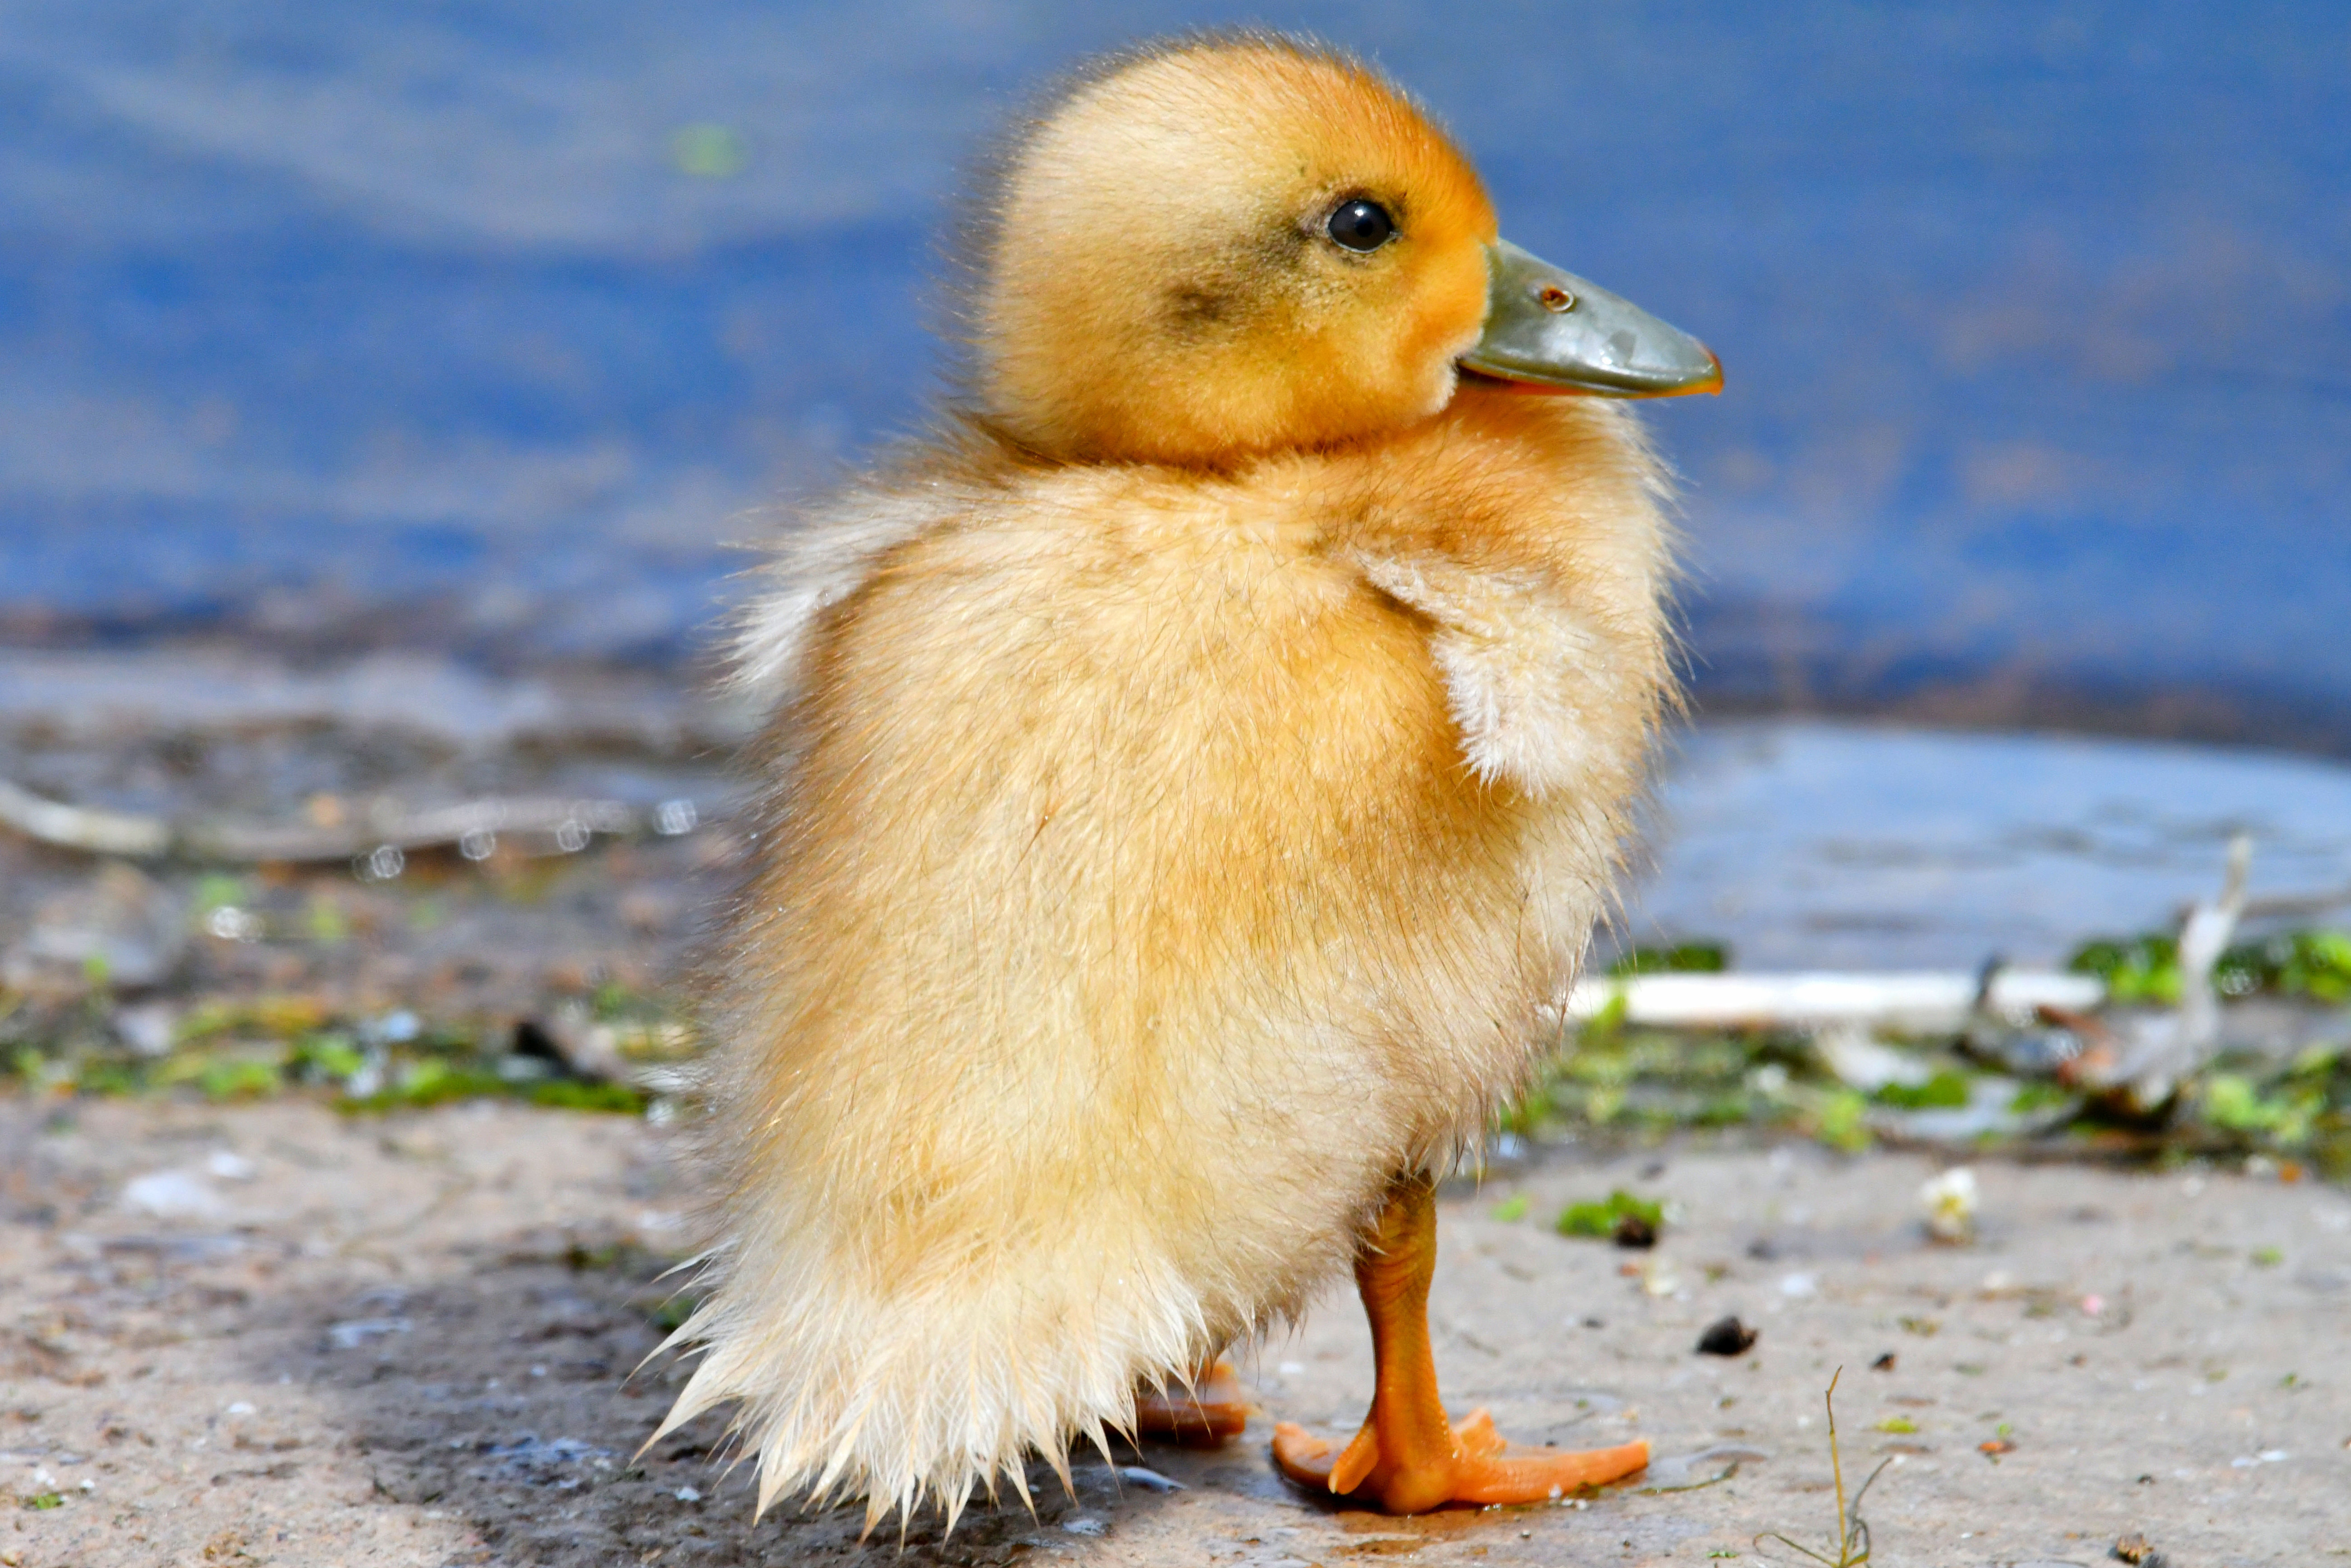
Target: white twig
474, 826
2171, 1048
81, 828
1923, 1002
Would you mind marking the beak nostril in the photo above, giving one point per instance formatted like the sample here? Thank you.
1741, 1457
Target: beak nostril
1607, 346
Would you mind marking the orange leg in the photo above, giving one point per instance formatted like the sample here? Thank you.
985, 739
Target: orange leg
1215, 1408
1408, 1457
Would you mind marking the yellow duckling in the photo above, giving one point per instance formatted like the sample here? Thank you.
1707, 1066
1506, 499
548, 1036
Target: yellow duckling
1191, 775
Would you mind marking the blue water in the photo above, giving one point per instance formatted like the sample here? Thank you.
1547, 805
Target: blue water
1805, 844
409, 322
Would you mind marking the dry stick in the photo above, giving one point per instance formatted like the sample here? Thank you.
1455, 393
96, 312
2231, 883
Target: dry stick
1852, 1528
473, 825
1836, 1468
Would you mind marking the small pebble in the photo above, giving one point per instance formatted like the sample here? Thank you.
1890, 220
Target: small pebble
1148, 1478
1725, 1336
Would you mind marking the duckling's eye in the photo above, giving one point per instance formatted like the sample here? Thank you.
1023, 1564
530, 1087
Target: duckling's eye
1361, 225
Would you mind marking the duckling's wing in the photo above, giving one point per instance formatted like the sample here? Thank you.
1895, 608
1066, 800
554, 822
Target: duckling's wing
1536, 685
830, 551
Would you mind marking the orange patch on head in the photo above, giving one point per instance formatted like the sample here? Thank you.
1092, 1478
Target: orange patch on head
1165, 286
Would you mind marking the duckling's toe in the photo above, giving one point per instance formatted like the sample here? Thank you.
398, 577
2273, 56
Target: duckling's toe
1493, 1470
1481, 1469
1320, 1466
1212, 1411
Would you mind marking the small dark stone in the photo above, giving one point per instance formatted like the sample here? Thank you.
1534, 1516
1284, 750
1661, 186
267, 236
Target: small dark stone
1883, 1363
1728, 1336
1632, 1230
534, 1039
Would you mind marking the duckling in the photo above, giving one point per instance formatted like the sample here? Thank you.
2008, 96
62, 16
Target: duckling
1191, 775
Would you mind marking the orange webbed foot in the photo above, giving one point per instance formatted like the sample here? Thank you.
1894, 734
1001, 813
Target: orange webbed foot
1213, 1411
1410, 1456
1482, 1469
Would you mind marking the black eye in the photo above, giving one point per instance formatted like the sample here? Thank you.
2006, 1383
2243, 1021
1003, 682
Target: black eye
1361, 225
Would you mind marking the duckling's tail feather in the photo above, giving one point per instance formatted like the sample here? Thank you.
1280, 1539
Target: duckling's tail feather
835, 1372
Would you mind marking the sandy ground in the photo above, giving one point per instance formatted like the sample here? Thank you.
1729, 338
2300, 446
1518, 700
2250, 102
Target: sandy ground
271, 1335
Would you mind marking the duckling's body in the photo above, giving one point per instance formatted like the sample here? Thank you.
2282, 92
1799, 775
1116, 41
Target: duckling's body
1166, 858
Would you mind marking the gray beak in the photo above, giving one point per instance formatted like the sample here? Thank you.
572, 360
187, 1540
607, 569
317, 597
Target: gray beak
1548, 328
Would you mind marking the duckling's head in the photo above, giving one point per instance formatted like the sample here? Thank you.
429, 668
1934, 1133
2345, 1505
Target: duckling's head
1242, 246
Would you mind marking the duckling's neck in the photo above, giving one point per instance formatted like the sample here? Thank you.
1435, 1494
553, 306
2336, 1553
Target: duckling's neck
1497, 481
1492, 463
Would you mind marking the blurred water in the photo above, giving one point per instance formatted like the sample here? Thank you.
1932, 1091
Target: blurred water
391, 323
1810, 845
